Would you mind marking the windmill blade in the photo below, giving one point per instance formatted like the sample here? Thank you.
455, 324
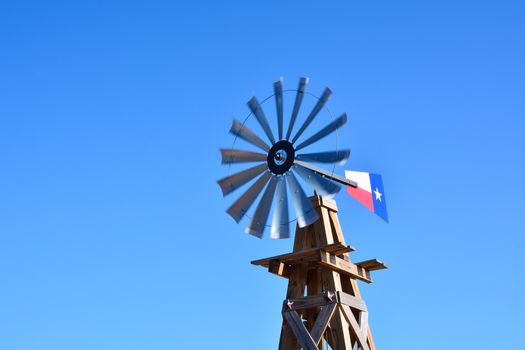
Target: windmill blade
317, 108
298, 99
337, 157
243, 132
280, 221
256, 109
327, 130
262, 212
243, 204
278, 89
304, 211
238, 156
233, 182
320, 184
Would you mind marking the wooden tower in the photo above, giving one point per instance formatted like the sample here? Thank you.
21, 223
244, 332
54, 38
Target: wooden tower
323, 300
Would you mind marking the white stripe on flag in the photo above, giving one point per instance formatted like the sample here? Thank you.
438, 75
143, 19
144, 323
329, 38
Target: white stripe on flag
362, 179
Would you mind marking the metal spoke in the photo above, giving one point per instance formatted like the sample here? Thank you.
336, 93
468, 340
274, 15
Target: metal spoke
256, 227
243, 132
320, 184
317, 108
298, 98
257, 111
278, 89
243, 204
304, 211
280, 221
233, 182
327, 130
239, 156
338, 157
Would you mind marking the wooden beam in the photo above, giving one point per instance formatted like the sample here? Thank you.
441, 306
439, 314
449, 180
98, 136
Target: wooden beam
308, 302
299, 330
352, 301
319, 201
372, 265
363, 323
298, 256
354, 326
338, 232
342, 266
279, 268
322, 321
370, 339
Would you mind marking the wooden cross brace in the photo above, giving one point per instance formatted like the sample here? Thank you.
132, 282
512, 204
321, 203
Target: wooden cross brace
329, 303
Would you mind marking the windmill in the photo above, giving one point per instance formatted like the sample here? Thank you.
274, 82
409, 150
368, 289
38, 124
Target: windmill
323, 304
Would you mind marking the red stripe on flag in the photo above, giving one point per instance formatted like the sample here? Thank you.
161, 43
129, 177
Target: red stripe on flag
362, 196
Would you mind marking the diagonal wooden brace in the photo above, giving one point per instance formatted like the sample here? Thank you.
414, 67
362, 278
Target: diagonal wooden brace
322, 321
360, 331
299, 330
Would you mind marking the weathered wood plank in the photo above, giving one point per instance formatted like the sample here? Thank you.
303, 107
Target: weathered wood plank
352, 301
319, 201
301, 234
363, 322
322, 321
354, 326
370, 339
338, 232
297, 282
372, 264
342, 266
334, 248
278, 268
308, 302
323, 229
299, 330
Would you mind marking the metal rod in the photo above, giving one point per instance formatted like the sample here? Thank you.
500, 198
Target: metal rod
325, 173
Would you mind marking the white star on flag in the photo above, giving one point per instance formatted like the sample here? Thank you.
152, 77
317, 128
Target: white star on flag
378, 194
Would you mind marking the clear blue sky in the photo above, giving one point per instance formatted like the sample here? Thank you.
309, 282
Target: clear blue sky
112, 228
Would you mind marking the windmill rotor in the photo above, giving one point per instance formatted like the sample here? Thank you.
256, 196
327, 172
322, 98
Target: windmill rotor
278, 163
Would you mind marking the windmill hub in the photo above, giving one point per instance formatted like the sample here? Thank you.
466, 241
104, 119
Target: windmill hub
281, 157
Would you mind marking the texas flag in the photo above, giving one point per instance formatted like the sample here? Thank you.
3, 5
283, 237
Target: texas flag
369, 191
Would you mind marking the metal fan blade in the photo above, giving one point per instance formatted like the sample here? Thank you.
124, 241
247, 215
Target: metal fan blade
238, 156
317, 108
337, 157
278, 88
298, 99
260, 217
327, 130
261, 118
320, 184
305, 212
243, 132
322, 172
233, 182
280, 220
243, 204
